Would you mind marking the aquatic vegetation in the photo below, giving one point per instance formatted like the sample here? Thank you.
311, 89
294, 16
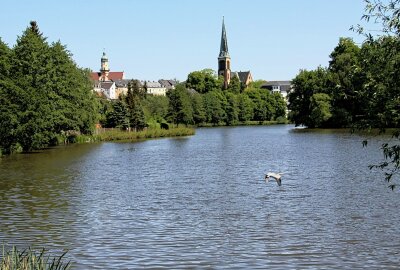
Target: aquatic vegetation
121, 135
29, 259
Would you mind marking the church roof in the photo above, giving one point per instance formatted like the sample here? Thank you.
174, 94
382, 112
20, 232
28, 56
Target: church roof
243, 75
223, 52
116, 75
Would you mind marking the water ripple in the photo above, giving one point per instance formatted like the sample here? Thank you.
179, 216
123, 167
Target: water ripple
202, 202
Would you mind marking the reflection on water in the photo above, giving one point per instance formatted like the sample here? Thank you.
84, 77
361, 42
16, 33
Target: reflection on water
201, 202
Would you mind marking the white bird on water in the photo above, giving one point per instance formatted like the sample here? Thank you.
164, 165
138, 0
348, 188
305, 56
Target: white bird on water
276, 176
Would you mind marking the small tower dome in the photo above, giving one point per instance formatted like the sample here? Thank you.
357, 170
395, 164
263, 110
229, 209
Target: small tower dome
104, 57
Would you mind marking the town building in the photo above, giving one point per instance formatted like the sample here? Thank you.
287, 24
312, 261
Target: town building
281, 87
224, 63
105, 75
154, 88
112, 84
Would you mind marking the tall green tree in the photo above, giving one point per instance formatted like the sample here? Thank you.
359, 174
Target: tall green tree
199, 113
42, 92
264, 104
234, 85
306, 84
232, 109
246, 107
345, 79
320, 109
133, 100
214, 107
203, 81
118, 116
155, 108
180, 108
381, 91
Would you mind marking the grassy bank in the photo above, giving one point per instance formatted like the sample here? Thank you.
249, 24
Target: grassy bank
31, 260
120, 135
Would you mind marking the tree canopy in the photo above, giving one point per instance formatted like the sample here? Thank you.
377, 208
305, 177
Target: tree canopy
43, 93
361, 86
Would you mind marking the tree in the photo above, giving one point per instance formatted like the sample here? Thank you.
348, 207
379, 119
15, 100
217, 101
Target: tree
381, 91
246, 107
202, 81
215, 113
179, 109
118, 117
43, 93
306, 84
320, 109
385, 13
345, 82
279, 104
234, 85
155, 108
5, 58
264, 104
133, 101
232, 109
199, 113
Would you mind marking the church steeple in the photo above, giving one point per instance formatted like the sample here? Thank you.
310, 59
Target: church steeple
223, 52
104, 69
224, 60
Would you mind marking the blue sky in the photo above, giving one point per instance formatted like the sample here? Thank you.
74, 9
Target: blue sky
154, 39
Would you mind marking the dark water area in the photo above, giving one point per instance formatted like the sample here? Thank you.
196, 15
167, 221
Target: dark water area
202, 202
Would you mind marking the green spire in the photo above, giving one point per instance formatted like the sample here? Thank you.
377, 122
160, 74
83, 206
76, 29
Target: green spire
104, 57
223, 52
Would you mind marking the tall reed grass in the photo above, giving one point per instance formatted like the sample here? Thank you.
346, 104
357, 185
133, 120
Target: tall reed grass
120, 135
32, 260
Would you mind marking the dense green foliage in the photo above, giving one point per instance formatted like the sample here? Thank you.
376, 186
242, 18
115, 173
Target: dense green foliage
47, 99
133, 102
43, 94
361, 86
201, 101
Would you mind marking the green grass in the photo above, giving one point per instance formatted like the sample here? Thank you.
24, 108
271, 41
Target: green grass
119, 135
31, 260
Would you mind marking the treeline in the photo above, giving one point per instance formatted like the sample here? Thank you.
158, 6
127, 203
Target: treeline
360, 87
46, 99
201, 101
43, 94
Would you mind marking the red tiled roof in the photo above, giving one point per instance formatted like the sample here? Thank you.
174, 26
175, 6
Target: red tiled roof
118, 75
95, 76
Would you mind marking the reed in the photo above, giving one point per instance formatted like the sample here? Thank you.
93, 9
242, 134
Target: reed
150, 133
32, 260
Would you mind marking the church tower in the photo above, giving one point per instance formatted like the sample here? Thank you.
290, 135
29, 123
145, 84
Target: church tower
224, 60
105, 70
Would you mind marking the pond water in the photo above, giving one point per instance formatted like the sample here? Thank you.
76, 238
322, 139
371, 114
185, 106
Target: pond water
202, 202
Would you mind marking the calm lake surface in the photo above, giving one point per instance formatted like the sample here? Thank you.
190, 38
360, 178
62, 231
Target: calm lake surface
202, 202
